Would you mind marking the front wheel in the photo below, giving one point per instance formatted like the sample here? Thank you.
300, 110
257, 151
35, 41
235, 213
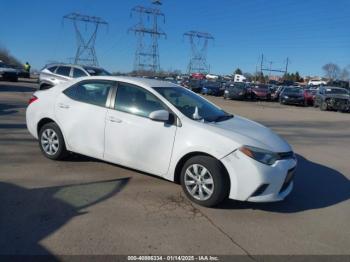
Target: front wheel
205, 181
324, 106
51, 142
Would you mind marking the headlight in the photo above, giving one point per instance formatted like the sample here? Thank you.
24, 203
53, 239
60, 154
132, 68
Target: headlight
285, 97
261, 155
226, 91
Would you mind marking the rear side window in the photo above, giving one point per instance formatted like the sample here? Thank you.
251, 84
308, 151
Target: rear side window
136, 100
94, 93
52, 68
63, 70
78, 73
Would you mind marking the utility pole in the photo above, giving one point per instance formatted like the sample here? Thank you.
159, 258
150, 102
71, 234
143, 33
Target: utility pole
147, 53
199, 46
287, 64
86, 53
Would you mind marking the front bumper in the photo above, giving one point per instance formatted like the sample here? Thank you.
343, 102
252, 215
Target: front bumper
256, 182
294, 101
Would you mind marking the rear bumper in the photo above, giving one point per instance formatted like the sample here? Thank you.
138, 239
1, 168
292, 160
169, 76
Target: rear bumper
256, 182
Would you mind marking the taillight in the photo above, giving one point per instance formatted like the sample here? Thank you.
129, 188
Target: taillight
32, 99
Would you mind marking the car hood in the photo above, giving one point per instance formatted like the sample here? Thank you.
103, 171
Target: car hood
293, 94
8, 69
260, 91
338, 96
246, 132
211, 87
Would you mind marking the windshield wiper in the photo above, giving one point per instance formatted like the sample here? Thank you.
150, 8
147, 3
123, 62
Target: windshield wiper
223, 118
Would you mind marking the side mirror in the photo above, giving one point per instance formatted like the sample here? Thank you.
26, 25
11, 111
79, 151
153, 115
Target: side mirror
159, 115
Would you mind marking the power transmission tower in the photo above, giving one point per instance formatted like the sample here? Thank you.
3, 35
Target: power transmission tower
264, 67
199, 46
85, 53
147, 51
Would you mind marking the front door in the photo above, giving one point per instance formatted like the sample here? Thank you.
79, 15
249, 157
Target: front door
132, 138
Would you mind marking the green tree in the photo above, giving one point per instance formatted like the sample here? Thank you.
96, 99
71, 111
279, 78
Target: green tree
238, 71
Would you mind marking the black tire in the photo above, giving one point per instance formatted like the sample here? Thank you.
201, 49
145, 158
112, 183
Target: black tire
61, 151
221, 182
324, 106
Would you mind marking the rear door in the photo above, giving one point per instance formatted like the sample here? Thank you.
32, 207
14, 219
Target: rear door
81, 113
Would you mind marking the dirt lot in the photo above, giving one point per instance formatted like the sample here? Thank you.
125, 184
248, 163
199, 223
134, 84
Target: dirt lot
85, 206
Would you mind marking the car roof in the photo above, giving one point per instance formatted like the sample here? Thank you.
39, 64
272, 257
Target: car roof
71, 65
144, 82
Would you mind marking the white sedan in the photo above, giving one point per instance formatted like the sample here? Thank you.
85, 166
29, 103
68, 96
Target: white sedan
166, 130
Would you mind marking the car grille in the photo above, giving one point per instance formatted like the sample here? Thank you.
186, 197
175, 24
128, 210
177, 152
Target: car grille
288, 180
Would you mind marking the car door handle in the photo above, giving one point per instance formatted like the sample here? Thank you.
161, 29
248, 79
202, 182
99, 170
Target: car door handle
61, 105
115, 120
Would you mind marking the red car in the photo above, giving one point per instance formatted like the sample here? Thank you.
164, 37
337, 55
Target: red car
309, 96
261, 92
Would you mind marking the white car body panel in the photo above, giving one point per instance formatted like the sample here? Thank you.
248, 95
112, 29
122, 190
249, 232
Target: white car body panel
138, 142
82, 117
153, 147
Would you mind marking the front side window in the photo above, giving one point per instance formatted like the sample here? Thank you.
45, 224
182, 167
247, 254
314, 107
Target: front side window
190, 104
63, 70
78, 73
94, 93
136, 100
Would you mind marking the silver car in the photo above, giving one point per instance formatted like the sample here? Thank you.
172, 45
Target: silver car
54, 74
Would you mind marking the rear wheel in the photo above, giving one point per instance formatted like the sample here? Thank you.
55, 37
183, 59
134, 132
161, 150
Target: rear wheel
51, 142
205, 181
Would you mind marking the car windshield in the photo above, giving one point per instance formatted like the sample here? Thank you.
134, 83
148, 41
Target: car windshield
192, 105
292, 90
212, 84
262, 87
336, 91
93, 71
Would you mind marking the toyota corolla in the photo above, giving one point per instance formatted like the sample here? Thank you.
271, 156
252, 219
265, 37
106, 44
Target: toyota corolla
166, 130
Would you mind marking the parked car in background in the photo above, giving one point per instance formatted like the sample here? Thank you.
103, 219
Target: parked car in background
179, 136
195, 85
316, 82
260, 92
54, 74
275, 96
8, 73
293, 96
309, 96
238, 91
332, 98
212, 88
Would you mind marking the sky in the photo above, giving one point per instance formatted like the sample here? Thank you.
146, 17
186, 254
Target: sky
310, 33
